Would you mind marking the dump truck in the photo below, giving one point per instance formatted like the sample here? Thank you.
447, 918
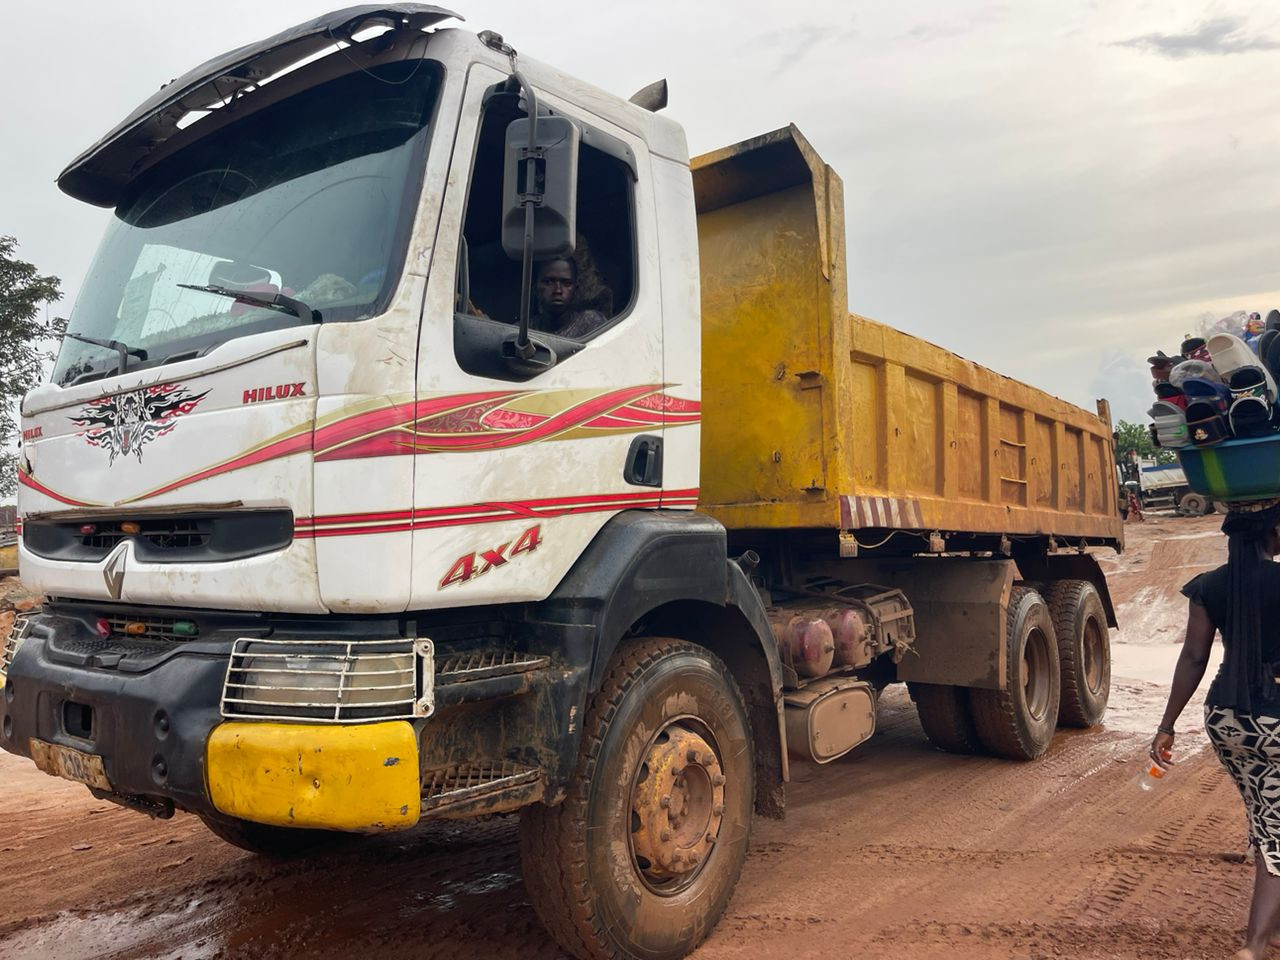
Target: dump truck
341, 531
1165, 485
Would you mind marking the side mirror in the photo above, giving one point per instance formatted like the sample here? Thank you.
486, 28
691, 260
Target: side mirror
553, 193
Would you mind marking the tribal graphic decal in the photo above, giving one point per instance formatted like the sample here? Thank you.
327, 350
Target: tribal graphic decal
126, 422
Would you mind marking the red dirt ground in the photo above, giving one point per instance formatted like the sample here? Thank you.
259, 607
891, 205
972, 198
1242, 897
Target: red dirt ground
895, 851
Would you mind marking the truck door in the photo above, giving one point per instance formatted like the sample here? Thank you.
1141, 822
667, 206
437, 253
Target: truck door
516, 470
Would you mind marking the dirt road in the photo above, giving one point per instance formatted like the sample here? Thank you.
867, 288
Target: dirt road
894, 851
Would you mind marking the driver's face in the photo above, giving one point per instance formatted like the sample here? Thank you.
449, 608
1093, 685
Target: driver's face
555, 286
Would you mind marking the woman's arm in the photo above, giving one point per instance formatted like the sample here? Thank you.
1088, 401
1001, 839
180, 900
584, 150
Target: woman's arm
1186, 677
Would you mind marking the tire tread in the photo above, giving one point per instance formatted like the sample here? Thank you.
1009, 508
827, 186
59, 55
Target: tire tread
552, 852
947, 717
1064, 597
995, 712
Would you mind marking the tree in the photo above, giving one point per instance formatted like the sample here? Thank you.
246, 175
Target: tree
22, 355
1136, 436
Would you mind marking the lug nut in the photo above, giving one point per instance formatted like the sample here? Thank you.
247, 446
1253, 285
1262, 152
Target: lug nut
717, 780
711, 838
719, 810
665, 836
665, 801
692, 756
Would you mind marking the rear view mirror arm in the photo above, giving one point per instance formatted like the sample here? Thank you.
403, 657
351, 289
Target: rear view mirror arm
529, 197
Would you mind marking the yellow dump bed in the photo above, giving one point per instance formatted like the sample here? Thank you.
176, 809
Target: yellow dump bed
815, 418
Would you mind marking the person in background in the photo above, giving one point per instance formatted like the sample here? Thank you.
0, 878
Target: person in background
1134, 490
1241, 601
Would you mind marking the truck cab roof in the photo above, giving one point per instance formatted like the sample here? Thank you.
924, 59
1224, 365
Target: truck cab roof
100, 173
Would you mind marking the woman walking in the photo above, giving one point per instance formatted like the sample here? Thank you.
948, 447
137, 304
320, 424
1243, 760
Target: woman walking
1240, 600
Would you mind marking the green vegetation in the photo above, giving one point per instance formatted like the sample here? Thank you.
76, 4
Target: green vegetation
22, 337
1136, 436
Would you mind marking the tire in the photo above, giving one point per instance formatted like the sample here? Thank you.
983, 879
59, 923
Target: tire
1019, 722
946, 717
1194, 505
278, 843
584, 861
1084, 650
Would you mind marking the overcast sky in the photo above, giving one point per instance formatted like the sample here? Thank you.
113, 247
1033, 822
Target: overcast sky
1052, 189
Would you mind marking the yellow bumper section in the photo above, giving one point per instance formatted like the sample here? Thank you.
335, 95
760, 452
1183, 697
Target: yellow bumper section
360, 778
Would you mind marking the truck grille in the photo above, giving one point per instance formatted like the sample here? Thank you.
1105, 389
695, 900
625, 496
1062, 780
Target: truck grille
175, 534
183, 538
156, 628
329, 681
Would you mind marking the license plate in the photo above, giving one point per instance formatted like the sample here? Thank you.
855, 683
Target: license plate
70, 764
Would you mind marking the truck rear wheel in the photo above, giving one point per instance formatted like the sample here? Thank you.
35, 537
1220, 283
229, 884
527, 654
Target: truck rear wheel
946, 717
1084, 649
641, 858
1194, 505
1019, 722
276, 842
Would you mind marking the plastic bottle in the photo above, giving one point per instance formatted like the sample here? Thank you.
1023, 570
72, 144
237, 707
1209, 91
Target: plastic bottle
1153, 774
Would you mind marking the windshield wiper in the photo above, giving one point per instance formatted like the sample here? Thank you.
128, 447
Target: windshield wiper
276, 302
123, 349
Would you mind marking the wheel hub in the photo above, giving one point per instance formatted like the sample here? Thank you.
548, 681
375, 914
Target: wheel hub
678, 804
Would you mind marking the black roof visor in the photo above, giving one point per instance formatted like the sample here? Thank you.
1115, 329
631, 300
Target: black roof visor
99, 175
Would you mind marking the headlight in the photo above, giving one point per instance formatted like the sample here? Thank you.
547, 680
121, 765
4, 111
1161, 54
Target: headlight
329, 680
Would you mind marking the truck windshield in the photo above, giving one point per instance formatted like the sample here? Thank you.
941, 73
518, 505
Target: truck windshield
311, 197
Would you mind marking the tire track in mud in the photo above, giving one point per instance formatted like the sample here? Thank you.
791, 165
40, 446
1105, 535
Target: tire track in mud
897, 850
460, 882
1037, 941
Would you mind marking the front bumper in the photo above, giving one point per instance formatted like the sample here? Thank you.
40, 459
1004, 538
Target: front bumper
350, 777
155, 722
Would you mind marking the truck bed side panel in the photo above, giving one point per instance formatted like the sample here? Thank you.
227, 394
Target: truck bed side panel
815, 418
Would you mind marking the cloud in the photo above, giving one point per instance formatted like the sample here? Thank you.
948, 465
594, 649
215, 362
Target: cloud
1219, 36
925, 31
789, 46
1125, 382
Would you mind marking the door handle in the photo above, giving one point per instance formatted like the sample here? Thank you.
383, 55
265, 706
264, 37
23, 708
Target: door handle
644, 462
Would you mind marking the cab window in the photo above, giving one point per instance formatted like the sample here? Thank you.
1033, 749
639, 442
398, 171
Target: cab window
572, 301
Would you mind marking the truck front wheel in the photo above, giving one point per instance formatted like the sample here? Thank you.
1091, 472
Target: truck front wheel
1019, 722
641, 858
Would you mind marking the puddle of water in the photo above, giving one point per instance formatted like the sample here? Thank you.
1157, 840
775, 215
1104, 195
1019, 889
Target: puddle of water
73, 937
1140, 677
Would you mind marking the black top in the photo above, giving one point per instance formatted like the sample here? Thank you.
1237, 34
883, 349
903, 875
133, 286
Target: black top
1209, 590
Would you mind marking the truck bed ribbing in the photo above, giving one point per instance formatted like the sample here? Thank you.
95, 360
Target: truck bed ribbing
817, 418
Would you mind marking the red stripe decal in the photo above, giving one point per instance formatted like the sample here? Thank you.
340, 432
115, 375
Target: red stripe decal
29, 481
359, 524
281, 448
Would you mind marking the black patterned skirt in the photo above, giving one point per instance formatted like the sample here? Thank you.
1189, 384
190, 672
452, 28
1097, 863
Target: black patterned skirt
1249, 747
